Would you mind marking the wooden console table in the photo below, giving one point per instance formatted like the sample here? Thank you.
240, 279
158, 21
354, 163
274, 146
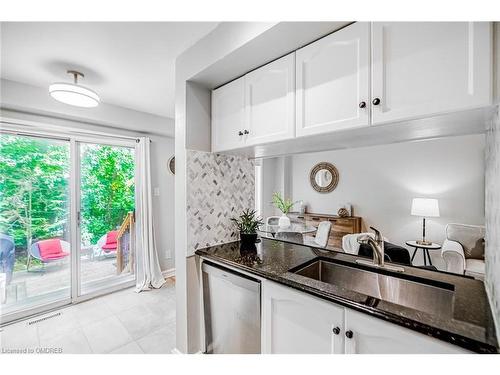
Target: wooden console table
340, 226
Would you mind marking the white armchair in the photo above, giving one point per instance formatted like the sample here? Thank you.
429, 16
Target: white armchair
350, 242
460, 248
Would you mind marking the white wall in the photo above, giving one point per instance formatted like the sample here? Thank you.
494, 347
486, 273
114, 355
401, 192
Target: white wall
162, 149
276, 177
380, 182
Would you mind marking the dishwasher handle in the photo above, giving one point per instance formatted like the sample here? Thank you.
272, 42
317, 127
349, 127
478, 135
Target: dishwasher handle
232, 277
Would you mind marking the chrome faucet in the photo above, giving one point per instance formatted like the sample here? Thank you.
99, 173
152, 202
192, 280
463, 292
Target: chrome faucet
377, 245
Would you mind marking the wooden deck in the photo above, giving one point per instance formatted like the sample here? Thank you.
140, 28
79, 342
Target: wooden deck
53, 278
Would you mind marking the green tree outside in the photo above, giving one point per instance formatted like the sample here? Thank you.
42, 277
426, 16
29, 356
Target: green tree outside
107, 189
34, 190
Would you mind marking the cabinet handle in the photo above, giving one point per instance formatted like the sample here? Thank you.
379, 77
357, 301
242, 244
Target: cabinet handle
240, 133
246, 132
336, 330
362, 105
349, 334
376, 101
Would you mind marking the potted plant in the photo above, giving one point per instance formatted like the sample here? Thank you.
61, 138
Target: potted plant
284, 205
247, 224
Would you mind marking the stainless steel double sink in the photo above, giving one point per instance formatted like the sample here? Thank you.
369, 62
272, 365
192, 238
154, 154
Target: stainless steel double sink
425, 295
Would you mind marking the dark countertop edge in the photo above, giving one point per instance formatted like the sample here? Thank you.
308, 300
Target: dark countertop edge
451, 338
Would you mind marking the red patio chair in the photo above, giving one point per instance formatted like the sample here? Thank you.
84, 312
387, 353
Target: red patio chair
48, 251
111, 243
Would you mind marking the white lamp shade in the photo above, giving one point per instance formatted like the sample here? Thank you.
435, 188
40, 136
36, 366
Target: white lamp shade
426, 207
73, 94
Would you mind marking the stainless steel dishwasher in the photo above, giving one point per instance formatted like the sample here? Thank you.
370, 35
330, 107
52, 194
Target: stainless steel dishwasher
231, 303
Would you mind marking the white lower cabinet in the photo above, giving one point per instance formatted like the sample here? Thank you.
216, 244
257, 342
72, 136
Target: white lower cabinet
294, 322
374, 336
297, 323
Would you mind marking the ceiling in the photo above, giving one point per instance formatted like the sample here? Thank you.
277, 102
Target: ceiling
129, 64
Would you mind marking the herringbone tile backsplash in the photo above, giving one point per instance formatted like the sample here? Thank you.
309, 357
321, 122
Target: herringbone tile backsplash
492, 200
219, 187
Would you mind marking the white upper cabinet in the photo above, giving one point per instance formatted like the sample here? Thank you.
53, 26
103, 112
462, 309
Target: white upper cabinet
270, 101
228, 116
333, 81
296, 323
374, 336
425, 68
364, 74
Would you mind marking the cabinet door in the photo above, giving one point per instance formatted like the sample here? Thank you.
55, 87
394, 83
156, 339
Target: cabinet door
294, 322
374, 336
228, 115
270, 101
333, 81
426, 68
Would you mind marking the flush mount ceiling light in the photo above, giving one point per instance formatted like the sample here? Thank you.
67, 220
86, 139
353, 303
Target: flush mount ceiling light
73, 93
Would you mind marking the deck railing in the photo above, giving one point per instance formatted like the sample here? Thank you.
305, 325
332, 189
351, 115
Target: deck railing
125, 252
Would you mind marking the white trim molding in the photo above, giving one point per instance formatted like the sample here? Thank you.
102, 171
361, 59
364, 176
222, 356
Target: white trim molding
168, 273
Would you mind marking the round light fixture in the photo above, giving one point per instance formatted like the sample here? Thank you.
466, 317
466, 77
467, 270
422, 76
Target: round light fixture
73, 93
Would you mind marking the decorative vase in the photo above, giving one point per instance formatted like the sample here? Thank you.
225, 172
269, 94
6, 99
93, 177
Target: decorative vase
284, 221
248, 238
342, 212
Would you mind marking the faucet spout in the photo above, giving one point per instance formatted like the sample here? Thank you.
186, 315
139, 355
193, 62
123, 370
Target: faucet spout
377, 245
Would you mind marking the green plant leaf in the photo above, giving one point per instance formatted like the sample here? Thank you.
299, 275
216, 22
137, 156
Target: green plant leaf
282, 204
248, 222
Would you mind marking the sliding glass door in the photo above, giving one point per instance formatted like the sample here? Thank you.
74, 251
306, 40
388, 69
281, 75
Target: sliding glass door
67, 221
35, 250
106, 216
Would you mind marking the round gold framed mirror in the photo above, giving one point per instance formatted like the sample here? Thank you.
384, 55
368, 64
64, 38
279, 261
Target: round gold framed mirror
171, 165
324, 177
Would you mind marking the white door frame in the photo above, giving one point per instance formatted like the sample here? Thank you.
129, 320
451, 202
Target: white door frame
118, 284
75, 138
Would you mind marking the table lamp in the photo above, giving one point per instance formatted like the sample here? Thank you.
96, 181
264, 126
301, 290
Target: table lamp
425, 207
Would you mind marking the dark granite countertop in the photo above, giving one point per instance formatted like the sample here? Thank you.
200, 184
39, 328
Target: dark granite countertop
468, 323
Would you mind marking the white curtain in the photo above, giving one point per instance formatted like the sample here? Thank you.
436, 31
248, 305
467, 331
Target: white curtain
149, 274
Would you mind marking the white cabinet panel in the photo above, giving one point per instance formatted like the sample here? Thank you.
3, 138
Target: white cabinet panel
228, 115
332, 81
270, 101
375, 336
296, 323
426, 68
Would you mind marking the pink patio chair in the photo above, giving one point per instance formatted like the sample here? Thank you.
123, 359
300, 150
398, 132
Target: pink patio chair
48, 251
107, 244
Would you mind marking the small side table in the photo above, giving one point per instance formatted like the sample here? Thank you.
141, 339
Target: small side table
425, 250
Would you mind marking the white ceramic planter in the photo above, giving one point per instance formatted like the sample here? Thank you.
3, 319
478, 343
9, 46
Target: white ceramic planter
284, 221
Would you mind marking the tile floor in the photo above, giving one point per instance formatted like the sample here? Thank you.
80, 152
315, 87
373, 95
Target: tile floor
124, 322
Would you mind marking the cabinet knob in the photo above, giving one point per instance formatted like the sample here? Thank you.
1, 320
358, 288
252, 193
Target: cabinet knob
376, 101
336, 330
349, 334
362, 105
240, 133
246, 132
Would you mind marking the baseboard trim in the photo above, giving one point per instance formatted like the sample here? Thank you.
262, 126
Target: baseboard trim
177, 351
168, 273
